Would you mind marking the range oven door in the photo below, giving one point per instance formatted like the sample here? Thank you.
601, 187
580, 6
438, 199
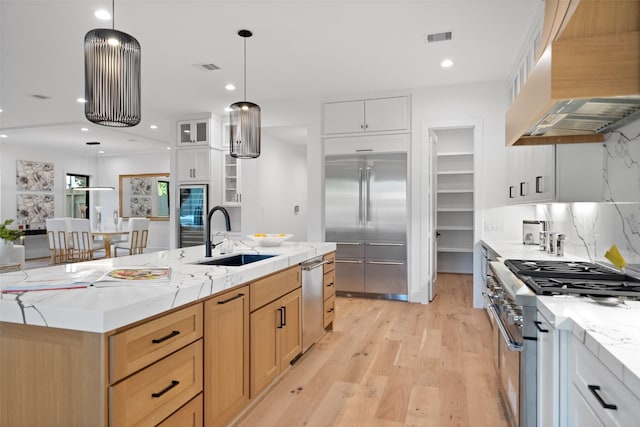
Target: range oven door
509, 356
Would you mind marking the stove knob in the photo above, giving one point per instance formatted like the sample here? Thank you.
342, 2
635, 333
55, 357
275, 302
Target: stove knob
518, 320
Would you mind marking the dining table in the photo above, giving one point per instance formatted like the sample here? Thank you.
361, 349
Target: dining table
106, 237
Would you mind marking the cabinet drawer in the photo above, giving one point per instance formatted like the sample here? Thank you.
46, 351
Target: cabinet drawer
271, 288
190, 415
331, 262
154, 393
589, 371
329, 282
329, 310
135, 348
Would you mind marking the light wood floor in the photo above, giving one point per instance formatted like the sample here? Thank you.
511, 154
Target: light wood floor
393, 364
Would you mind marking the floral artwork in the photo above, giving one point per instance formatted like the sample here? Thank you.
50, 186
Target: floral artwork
141, 186
140, 206
34, 208
34, 176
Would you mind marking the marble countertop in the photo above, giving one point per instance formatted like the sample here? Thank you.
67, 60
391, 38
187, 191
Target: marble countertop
105, 306
612, 334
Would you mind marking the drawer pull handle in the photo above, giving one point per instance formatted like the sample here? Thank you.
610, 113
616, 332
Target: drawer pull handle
171, 335
330, 285
231, 299
284, 311
330, 310
538, 323
166, 389
281, 311
594, 389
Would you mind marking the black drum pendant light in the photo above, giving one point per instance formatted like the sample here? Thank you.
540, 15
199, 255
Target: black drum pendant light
244, 119
111, 77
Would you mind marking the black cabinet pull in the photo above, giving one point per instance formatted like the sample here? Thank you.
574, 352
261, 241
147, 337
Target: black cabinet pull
280, 311
594, 389
511, 196
284, 312
330, 310
330, 285
171, 335
537, 323
166, 389
522, 188
231, 299
538, 184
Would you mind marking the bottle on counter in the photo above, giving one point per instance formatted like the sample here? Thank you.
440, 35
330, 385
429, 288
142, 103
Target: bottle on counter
560, 245
543, 240
551, 248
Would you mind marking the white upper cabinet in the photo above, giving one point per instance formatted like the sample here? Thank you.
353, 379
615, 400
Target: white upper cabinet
193, 132
193, 165
531, 171
368, 115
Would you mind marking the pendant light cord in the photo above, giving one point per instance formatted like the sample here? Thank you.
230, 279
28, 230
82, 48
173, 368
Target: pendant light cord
245, 69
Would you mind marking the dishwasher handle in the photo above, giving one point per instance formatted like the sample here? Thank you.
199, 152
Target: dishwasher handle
314, 264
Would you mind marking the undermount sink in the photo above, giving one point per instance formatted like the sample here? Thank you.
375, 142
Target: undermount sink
236, 260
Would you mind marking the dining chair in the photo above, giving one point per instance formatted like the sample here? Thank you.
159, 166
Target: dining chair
83, 244
138, 236
60, 245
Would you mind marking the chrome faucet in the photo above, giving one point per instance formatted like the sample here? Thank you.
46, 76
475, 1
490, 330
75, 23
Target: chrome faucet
207, 244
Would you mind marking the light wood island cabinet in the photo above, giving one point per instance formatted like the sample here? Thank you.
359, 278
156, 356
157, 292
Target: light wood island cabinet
276, 334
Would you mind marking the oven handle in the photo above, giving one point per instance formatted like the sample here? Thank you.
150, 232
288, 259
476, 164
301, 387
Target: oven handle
511, 345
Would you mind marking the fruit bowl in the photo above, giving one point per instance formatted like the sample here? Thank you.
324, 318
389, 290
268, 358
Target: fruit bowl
269, 239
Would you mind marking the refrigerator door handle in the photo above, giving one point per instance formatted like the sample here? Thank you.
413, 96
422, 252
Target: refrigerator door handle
344, 261
368, 196
384, 244
360, 201
349, 243
385, 262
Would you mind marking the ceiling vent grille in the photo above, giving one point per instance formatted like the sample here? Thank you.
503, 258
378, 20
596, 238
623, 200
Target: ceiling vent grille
40, 96
438, 37
207, 67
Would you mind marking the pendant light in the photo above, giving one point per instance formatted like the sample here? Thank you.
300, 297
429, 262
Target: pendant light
111, 77
97, 167
244, 119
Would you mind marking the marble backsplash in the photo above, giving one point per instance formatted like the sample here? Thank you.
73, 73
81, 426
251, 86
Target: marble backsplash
591, 228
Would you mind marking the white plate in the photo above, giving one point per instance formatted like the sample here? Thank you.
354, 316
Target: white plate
270, 239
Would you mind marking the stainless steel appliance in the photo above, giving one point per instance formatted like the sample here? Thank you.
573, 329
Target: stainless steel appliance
192, 211
511, 296
312, 308
366, 215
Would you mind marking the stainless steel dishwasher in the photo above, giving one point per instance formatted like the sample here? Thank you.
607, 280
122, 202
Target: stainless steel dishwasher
312, 313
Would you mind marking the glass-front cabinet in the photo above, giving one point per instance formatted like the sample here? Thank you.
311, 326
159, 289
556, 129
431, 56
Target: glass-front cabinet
231, 181
193, 132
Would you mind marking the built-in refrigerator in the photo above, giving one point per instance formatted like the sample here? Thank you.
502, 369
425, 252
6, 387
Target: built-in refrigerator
193, 211
366, 215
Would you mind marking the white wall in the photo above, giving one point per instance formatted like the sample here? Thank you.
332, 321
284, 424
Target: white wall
272, 185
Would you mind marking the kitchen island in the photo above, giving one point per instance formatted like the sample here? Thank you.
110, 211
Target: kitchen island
146, 352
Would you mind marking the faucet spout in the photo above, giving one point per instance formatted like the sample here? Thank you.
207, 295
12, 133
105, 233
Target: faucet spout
227, 221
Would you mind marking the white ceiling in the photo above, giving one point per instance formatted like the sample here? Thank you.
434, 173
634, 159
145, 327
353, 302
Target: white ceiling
300, 48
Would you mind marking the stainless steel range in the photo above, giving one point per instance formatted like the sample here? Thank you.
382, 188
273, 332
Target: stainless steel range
511, 299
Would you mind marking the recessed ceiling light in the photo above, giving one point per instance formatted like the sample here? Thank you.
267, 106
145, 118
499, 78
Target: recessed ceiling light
230, 86
0, 110
84, 129
227, 109
153, 127
101, 152
102, 14
446, 63
168, 148
81, 100
3, 136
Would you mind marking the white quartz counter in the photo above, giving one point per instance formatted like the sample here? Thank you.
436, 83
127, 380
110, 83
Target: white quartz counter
612, 334
106, 306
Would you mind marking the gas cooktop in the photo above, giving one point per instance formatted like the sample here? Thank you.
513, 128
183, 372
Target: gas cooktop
568, 277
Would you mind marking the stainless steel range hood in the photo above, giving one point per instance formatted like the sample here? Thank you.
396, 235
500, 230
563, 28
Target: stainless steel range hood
586, 81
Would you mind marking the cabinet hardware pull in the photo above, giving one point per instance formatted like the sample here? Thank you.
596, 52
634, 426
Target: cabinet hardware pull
330, 310
284, 311
594, 389
166, 389
171, 335
361, 126
538, 323
281, 312
330, 285
231, 299
539, 184
522, 189
511, 196
385, 263
385, 244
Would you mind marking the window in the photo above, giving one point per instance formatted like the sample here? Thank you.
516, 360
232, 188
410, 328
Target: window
77, 202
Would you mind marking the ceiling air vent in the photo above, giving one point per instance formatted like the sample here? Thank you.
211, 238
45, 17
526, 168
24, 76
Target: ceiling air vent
40, 96
438, 37
207, 67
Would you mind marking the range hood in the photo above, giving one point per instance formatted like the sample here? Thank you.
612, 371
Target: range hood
586, 81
